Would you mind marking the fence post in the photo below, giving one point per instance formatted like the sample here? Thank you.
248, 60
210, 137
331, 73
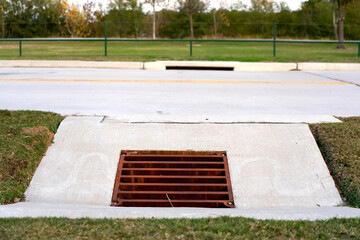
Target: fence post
105, 40
358, 50
191, 45
20, 48
274, 47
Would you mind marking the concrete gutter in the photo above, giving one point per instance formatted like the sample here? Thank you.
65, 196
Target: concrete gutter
36, 210
161, 65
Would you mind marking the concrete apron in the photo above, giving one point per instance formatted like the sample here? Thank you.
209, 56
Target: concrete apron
275, 169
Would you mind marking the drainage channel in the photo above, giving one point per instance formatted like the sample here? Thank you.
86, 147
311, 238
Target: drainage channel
173, 179
200, 68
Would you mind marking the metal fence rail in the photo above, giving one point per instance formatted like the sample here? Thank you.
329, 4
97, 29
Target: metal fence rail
105, 40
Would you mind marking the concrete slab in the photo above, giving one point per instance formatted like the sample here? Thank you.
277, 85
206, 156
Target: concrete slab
35, 210
238, 66
271, 165
70, 64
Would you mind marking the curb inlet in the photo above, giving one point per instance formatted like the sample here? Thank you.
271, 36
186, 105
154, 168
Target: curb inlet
200, 68
173, 179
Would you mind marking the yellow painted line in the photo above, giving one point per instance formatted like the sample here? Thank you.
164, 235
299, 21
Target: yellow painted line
174, 81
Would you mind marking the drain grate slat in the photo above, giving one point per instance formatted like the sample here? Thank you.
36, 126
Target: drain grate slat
165, 203
175, 184
170, 192
172, 179
173, 162
174, 169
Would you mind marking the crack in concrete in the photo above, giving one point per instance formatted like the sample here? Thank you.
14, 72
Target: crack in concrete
331, 78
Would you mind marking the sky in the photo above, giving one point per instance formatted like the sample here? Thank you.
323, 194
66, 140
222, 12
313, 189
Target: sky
293, 4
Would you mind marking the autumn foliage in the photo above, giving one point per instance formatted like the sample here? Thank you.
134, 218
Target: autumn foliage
77, 22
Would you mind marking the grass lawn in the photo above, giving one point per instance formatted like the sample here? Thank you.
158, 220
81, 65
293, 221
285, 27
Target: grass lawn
340, 147
217, 228
207, 51
25, 136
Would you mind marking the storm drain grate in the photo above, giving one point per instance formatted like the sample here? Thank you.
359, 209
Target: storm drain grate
200, 68
173, 179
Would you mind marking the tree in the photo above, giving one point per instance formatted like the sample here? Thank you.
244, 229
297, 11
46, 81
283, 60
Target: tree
262, 6
77, 22
219, 16
335, 22
220, 19
191, 7
128, 15
2, 13
25, 18
262, 11
342, 4
153, 5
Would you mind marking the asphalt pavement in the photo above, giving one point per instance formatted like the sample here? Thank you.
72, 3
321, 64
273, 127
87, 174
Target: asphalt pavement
152, 93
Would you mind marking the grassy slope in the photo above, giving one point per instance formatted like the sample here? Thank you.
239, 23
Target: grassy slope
151, 51
218, 228
340, 144
24, 138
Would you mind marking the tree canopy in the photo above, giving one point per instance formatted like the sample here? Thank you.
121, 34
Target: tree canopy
190, 18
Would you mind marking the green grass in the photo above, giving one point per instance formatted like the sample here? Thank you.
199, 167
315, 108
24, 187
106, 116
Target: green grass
216, 228
24, 138
207, 51
340, 146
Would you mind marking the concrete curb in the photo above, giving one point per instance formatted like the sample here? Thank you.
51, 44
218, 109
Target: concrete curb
329, 66
72, 64
161, 65
238, 66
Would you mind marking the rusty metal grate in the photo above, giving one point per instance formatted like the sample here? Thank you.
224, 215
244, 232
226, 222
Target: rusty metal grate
173, 179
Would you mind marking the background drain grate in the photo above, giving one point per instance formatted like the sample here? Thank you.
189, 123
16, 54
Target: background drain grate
173, 179
200, 68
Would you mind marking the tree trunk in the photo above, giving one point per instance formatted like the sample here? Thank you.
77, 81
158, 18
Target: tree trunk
215, 25
336, 36
3, 29
191, 26
154, 20
3, 24
341, 26
67, 27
